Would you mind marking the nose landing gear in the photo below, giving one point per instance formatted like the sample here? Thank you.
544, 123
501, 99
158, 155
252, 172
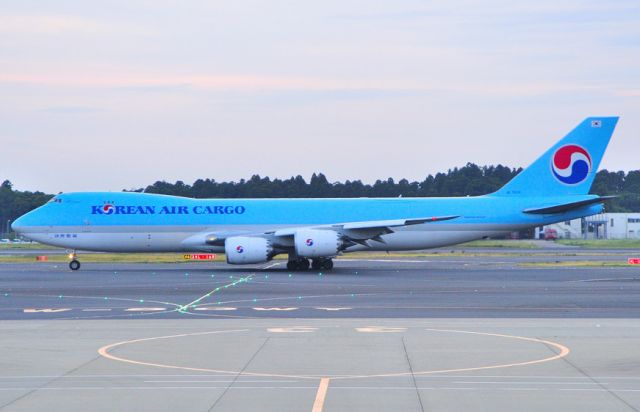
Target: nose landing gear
74, 264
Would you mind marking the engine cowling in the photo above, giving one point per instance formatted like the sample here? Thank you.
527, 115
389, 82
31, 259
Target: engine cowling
312, 243
242, 250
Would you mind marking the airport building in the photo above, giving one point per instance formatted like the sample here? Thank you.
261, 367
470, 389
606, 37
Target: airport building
601, 226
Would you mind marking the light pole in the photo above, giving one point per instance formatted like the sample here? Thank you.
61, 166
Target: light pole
8, 227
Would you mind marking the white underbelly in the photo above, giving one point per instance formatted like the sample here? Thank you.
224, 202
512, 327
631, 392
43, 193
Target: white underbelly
163, 239
415, 240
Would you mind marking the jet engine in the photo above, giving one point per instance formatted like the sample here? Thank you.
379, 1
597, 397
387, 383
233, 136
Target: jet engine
241, 250
312, 243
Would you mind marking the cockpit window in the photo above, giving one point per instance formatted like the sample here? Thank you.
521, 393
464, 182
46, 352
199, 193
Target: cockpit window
55, 199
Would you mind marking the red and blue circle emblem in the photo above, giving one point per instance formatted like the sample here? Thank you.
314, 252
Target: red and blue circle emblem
107, 209
571, 164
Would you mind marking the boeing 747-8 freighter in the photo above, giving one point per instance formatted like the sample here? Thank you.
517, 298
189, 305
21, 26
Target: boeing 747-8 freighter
313, 231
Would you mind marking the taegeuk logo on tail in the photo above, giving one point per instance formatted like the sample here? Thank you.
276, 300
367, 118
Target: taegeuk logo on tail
571, 164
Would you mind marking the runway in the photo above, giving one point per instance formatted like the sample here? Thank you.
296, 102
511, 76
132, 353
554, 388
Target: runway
443, 287
450, 332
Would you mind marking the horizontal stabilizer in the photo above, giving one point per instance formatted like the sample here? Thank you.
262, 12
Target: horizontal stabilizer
565, 207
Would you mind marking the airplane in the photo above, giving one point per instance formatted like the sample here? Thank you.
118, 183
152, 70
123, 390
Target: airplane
554, 188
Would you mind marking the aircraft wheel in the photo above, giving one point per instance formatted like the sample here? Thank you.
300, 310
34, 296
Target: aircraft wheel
316, 264
327, 264
292, 265
303, 264
74, 264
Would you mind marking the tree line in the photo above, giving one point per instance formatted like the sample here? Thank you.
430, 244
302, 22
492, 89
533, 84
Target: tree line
470, 180
14, 203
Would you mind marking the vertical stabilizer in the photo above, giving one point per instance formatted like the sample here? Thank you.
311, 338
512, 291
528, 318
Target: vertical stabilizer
569, 166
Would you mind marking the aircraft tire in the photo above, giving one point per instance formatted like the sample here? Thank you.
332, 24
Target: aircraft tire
303, 264
327, 264
292, 265
316, 264
74, 264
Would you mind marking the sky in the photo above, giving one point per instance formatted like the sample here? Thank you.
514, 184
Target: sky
118, 94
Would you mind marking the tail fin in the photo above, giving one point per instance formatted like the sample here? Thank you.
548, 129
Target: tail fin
570, 166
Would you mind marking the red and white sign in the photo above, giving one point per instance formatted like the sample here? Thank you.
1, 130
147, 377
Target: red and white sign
200, 256
634, 261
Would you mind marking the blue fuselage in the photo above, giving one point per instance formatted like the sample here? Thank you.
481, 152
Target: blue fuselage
138, 222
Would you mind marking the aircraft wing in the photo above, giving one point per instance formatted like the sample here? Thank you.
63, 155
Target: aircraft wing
360, 232
355, 232
383, 226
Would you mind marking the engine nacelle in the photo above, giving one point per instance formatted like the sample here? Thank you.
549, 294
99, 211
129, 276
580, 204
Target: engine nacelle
242, 250
312, 243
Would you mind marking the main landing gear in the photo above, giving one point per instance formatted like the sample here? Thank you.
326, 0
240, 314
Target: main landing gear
303, 264
75, 263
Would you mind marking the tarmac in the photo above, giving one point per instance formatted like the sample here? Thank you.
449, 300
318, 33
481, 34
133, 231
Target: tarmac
485, 331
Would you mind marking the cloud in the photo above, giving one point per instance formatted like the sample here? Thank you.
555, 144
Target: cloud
297, 87
72, 110
263, 83
50, 24
38, 25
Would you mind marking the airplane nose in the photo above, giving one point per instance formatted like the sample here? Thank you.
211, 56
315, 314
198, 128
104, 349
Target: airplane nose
17, 225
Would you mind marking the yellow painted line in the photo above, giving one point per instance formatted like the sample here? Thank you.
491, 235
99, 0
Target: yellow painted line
380, 329
563, 351
105, 352
294, 329
318, 405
